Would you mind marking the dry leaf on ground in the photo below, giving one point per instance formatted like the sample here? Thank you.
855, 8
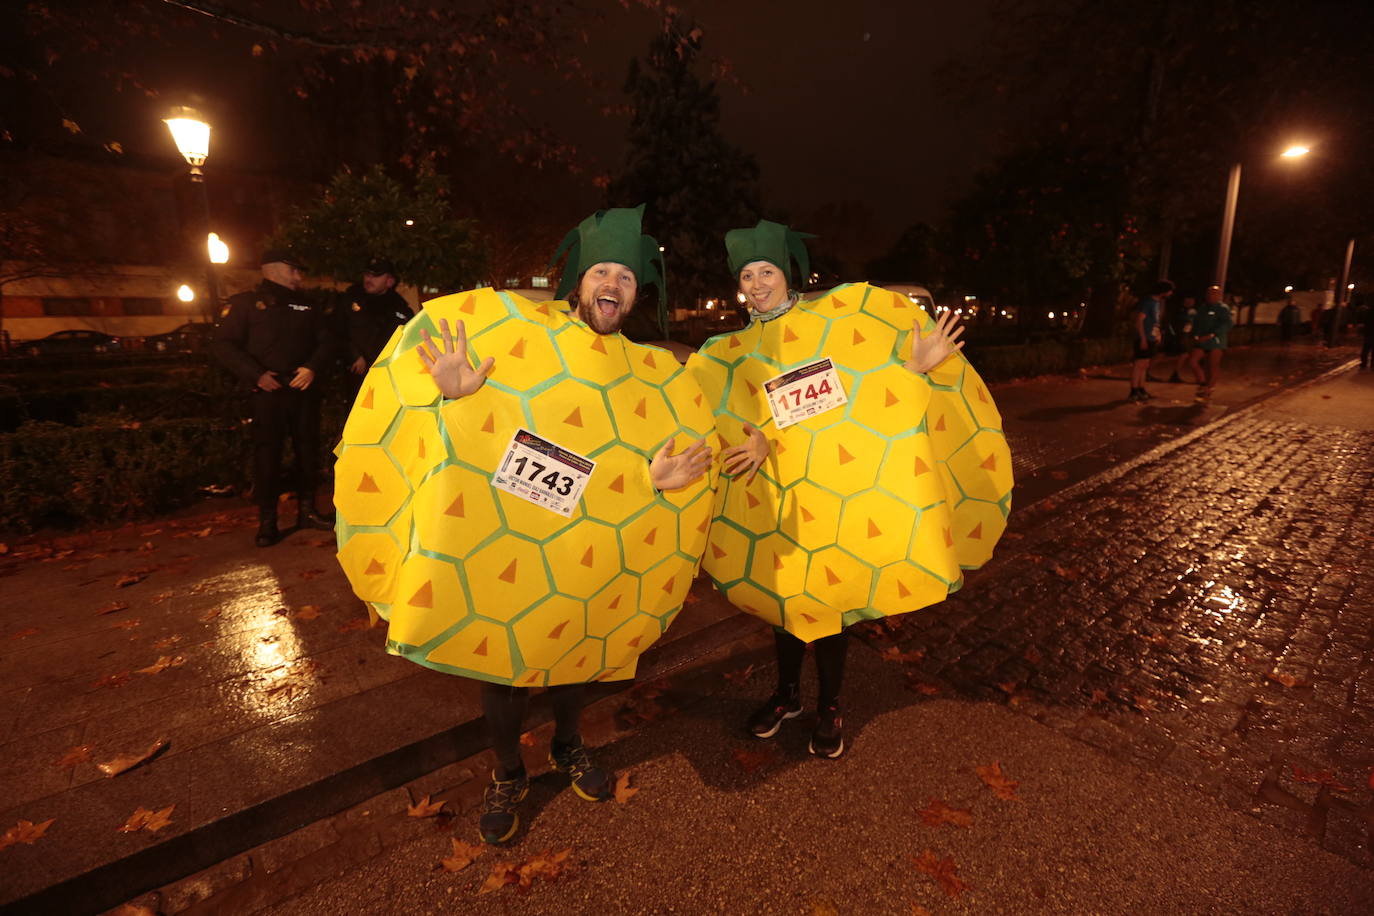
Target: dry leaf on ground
162, 664
997, 781
112, 606
131, 578
502, 873
425, 808
754, 759
73, 756
623, 790
25, 832
936, 813
894, 654
1099, 696
144, 819
740, 675
129, 624
944, 871
125, 762
1286, 679
25, 633
307, 612
462, 855
166, 642
356, 623
1322, 778
920, 685
1066, 572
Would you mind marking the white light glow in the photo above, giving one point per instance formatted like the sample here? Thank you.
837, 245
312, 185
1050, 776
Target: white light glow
1296, 151
191, 135
219, 252
185, 293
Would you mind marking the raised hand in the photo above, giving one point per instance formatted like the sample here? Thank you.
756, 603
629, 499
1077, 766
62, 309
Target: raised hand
672, 472
929, 350
449, 365
747, 457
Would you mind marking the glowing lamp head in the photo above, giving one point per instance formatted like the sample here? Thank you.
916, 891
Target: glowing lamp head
191, 135
219, 252
185, 293
1296, 152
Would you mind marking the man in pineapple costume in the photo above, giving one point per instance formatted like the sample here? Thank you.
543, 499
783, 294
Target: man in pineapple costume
872, 468
512, 502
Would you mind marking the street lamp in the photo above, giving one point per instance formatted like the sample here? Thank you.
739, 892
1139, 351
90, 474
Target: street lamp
664, 315
1228, 215
185, 293
192, 137
218, 251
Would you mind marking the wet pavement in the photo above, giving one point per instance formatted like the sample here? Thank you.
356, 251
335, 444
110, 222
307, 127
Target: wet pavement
1231, 573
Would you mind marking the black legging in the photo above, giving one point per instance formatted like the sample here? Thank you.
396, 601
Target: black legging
830, 655
504, 707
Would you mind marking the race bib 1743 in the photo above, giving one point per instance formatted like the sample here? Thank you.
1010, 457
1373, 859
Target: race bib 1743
543, 473
804, 392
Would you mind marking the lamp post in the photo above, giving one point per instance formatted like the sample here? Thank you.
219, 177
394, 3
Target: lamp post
665, 313
1228, 215
192, 137
1342, 294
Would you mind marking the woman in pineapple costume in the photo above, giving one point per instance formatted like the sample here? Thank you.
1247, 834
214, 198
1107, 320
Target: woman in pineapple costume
512, 502
872, 468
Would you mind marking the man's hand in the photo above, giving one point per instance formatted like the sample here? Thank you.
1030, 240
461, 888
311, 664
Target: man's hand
672, 472
449, 366
928, 351
359, 366
303, 377
748, 457
268, 381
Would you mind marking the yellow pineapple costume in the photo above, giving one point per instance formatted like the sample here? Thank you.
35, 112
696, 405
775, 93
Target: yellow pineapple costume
477, 581
871, 508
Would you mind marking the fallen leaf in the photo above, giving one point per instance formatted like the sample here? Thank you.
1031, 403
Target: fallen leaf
73, 756
125, 762
162, 664
462, 856
167, 642
894, 654
921, 685
357, 623
129, 624
502, 873
944, 871
131, 578
740, 675
145, 819
1286, 679
25, 633
623, 790
752, 760
26, 832
425, 808
161, 597
112, 607
1008, 687
937, 813
1321, 778
547, 865
1066, 572
997, 781
307, 612
118, 679
150, 532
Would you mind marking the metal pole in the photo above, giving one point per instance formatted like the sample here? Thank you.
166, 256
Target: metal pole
1228, 222
1342, 294
211, 279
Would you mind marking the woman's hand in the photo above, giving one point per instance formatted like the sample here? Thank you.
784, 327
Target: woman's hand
449, 366
748, 457
929, 350
672, 472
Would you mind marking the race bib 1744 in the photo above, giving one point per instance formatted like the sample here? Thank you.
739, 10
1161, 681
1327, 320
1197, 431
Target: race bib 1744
804, 392
543, 473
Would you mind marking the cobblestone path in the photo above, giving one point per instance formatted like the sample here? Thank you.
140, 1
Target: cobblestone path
1208, 613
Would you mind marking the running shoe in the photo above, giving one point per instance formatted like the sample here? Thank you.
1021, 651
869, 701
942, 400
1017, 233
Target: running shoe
828, 738
589, 781
768, 718
500, 819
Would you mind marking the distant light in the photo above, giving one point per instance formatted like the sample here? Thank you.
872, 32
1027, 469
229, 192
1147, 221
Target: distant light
661, 249
958, 311
1350, 286
410, 222
740, 297
1293, 152
219, 252
191, 135
185, 293
969, 298
1051, 316
1288, 289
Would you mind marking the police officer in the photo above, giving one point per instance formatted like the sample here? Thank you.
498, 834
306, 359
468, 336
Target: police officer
373, 310
276, 342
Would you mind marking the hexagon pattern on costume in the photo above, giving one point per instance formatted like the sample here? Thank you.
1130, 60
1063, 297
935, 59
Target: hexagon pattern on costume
872, 508
477, 582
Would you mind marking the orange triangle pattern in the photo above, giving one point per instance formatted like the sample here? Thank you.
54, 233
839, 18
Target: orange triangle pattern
588, 558
508, 574
777, 562
456, 510
807, 617
668, 586
858, 338
531, 677
420, 447
574, 418
789, 335
423, 597
921, 467
518, 351
977, 532
651, 536
558, 630
614, 603
490, 425
751, 499
468, 307
598, 344
989, 463
831, 577
807, 516
649, 360
642, 408
845, 457
481, 647
368, 485
891, 399
734, 342
873, 530
367, 399
618, 485
375, 568
902, 590
940, 424
580, 662
697, 400
982, 394
706, 520
753, 389
949, 540
717, 552
634, 643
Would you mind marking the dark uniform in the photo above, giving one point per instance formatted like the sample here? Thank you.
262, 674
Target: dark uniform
369, 322
275, 329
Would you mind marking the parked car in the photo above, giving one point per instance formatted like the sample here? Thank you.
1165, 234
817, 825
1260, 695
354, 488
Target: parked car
192, 337
70, 341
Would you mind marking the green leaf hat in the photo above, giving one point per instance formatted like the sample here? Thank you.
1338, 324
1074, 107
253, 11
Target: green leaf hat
768, 241
609, 235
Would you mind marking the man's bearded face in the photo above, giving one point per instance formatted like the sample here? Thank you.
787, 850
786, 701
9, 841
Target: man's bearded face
605, 296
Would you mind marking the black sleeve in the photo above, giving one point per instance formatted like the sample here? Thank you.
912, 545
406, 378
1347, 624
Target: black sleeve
230, 340
326, 343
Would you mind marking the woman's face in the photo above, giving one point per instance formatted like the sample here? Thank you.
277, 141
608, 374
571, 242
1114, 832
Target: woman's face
764, 285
